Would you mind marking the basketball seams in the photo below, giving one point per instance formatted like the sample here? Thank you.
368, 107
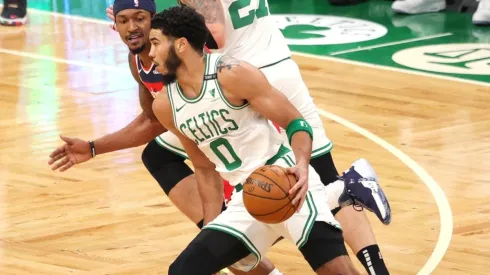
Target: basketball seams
275, 211
278, 213
262, 197
290, 186
272, 181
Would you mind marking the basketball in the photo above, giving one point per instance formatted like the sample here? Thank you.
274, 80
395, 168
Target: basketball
266, 194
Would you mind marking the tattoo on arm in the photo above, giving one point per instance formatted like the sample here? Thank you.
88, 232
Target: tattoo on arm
227, 62
212, 10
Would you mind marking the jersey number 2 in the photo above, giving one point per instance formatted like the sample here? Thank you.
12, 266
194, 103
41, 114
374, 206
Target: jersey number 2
240, 22
232, 161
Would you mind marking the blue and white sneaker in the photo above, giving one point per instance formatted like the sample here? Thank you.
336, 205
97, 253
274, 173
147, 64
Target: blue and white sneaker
362, 189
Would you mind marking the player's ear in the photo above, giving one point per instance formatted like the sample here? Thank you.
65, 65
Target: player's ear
180, 45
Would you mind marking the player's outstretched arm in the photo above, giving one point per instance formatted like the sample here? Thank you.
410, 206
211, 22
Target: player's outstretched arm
209, 182
141, 130
213, 13
243, 82
144, 128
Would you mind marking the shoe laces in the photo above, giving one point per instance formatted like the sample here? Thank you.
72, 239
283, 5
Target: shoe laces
355, 200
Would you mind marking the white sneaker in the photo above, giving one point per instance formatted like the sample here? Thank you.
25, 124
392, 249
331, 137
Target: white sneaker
482, 13
418, 6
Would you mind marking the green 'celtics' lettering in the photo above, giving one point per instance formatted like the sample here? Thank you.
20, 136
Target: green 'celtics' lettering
200, 129
205, 124
193, 131
235, 126
213, 118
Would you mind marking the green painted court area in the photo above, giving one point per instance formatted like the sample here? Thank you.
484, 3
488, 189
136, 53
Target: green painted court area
445, 43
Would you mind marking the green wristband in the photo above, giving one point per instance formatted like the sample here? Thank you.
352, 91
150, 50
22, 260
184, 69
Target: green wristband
297, 125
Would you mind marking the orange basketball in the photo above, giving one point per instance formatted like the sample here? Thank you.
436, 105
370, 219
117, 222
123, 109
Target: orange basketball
266, 194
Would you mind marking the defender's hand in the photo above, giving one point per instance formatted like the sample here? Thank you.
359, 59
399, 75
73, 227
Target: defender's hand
74, 151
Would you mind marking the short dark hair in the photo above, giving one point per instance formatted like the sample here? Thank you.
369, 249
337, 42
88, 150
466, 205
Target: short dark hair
182, 21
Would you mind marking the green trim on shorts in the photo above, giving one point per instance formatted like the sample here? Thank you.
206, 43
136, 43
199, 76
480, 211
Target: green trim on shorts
281, 152
170, 147
309, 222
322, 150
240, 236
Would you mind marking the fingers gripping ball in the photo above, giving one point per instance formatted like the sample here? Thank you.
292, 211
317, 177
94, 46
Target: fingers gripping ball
265, 194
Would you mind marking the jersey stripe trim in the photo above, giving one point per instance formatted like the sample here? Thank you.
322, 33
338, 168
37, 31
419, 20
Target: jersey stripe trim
220, 91
170, 147
309, 222
275, 63
170, 99
240, 236
203, 87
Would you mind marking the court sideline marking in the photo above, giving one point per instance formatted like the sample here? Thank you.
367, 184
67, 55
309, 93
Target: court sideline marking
445, 213
329, 58
392, 43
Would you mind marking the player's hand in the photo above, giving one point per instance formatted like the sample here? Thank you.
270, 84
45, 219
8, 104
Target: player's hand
74, 151
110, 13
301, 173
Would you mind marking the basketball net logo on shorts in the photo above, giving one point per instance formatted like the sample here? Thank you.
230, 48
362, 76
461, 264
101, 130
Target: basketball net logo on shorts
301, 29
455, 58
136, 3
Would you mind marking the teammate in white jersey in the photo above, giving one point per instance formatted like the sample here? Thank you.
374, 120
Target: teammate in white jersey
245, 30
219, 106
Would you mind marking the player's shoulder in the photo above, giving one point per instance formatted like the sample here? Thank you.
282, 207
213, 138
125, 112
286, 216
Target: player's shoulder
232, 70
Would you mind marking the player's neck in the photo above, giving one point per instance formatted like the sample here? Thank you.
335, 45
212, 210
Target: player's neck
190, 75
145, 58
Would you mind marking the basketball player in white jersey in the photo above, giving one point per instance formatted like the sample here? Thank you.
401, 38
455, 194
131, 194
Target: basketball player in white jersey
220, 108
74, 150
244, 30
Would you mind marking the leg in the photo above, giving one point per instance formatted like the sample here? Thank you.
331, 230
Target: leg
357, 230
325, 251
208, 253
265, 267
175, 178
177, 181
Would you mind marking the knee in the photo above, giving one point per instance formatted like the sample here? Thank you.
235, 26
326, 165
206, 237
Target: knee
189, 262
177, 268
167, 168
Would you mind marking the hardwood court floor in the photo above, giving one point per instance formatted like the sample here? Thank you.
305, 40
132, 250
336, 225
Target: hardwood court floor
108, 216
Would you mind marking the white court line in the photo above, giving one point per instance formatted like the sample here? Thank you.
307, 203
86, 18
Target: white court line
340, 60
446, 218
393, 69
445, 212
64, 61
392, 43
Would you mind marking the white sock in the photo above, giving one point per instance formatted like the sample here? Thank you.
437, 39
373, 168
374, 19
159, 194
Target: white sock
276, 272
334, 190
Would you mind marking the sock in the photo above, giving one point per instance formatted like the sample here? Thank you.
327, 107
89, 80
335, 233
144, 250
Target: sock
275, 272
334, 190
371, 259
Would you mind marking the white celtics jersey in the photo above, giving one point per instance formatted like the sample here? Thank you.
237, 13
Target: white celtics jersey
237, 139
252, 34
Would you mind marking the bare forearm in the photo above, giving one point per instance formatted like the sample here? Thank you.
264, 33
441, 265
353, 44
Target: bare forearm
210, 186
140, 131
301, 144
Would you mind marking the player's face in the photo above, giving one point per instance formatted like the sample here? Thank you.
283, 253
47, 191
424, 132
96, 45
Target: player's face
164, 56
134, 26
